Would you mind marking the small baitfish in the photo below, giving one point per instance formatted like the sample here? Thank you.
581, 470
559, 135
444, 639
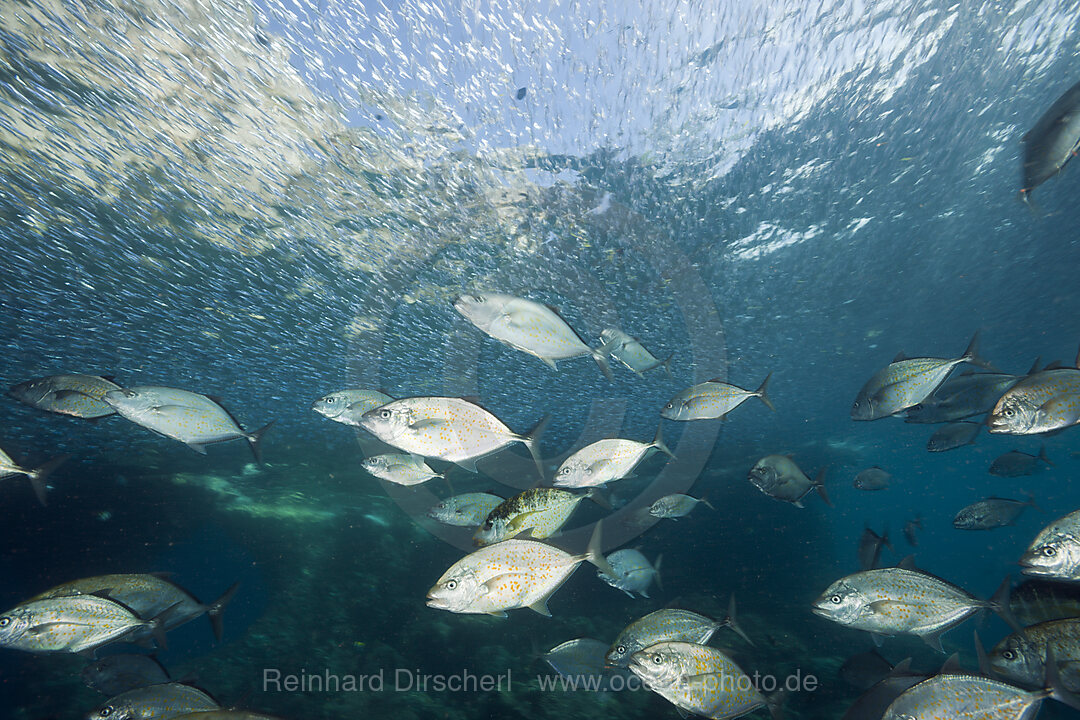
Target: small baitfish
465, 510
713, 399
446, 428
959, 697
906, 382
1055, 552
117, 674
1021, 657
348, 406
508, 575
72, 624
167, 700
1051, 142
633, 572
80, 396
891, 601
872, 478
37, 476
953, 435
993, 512
606, 461
583, 660
630, 352
676, 506
527, 326
540, 511
668, 625
697, 679
779, 477
191, 418
1046, 401
400, 469
1018, 464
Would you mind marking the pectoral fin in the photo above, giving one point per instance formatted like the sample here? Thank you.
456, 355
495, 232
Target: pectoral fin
431, 424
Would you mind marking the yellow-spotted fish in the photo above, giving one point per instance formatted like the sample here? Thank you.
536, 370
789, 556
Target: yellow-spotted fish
348, 406
37, 476
605, 461
191, 418
668, 624
1055, 552
1021, 657
630, 352
508, 575
527, 326
80, 396
446, 428
167, 700
72, 624
1042, 402
966, 697
400, 469
906, 382
540, 511
697, 679
713, 399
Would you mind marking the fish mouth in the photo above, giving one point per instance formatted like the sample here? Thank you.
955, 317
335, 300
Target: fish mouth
821, 612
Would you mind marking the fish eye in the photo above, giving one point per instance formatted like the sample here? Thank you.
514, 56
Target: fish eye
129, 393
565, 470
386, 414
451, 584
1049, 551
1009, 655
330, 400
1009, 412
836, 599
4, 622
657, 660
106, 711
669, 406
620, 649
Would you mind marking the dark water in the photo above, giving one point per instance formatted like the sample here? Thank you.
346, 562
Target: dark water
287, 205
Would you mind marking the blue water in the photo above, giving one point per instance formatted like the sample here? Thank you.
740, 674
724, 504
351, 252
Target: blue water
289, 206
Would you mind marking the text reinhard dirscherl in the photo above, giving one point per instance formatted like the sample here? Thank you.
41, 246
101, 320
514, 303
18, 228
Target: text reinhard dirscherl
410, 680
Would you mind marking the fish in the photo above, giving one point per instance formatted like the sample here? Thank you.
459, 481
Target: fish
872, 704
348, 406
73, 624
697, 679
1018, 464
194, 419
167, 700
630, 352
222, 715
80, 396
1020, 658
447, 428
896, 600
606, 461
865, 670
510, 574
1039, 403
870, 545
906, 382
1055, 552
540, 511
584, 658
37, 476
1035, 601
962, 397
1051, 142
400, 469
953, 435
633, 572
872, 478
909, 530
676, 505
148, 595
779, 477
465, 510
993, 512
959, 696
527, 326
668, 624
117, 674
713, 399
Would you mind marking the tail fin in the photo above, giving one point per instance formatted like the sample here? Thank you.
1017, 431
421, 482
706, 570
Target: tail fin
706, 503
215, 609
531, 441
656, 571
658, 442
732, 623
157, 625
999, 603
971, 355
39, 474
762, 392
595, 552
819, 486
598, 497
667, 365
1042, 456
601, 359
255, 439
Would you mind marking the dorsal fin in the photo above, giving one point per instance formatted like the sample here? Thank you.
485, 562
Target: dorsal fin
951, 666
908, 563
1035, 366
900, 356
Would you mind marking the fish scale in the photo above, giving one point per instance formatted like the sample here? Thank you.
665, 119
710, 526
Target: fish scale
956, 697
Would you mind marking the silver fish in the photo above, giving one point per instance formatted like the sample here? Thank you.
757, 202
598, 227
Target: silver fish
1053, 140
668, 625
676, 505
79, 396
37, 476
527, 326
606, 461
993, 512
872, 478
953, 435
191, 418
779, 477
583, 660
1043, 402
962, 397
155, 702
446, 428
348, 406
1018, 464
465, 510
713, 399
400, 469
71, 624
904, 383
960, 697
697, 679
633, 572
1055, 552
630, 352
117, 674
540, 511
1021, 657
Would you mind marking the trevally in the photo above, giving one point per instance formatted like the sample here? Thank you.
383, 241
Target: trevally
540, 511
1018, 464
953, 435
993, 512
527, 326
630, 352
779, 477
668, 624
1021, 657
962, 397
446, 428
73, 624
1052, 141
583, 660
167, 700
1046, 401
348, 406
605, 461
465, 510
906, 382
960, 697
713, 399
633, 572
1055, 552
115, 674
872, 478
399, 469
676, 506
80, 396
